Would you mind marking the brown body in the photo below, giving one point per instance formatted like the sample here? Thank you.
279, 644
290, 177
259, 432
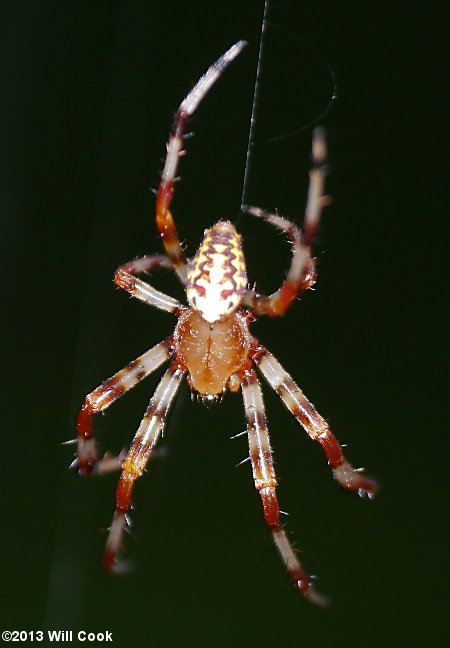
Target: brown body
211, 353
212, 346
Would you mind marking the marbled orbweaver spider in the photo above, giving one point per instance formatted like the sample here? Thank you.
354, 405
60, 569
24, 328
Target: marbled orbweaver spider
212, 346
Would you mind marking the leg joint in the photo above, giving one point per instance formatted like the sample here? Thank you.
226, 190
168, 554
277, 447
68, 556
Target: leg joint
270, 506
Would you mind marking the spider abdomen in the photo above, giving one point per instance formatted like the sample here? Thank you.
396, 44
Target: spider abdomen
211, 352
217, 278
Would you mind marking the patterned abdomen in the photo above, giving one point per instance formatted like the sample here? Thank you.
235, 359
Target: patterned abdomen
217, 277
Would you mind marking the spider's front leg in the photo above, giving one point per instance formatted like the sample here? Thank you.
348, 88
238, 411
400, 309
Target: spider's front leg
164, 218
265, 482
108, 392
316, 426
137, 458
302, 272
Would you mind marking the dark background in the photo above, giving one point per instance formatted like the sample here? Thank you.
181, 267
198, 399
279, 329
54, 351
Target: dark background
88, 90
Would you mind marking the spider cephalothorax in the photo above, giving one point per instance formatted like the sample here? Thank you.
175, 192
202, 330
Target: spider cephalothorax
212, 345
213, 354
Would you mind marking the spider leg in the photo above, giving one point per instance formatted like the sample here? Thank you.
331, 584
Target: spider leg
125, 277
108, 392
164, 219
302, 272
316, 426
265, 482
145, 438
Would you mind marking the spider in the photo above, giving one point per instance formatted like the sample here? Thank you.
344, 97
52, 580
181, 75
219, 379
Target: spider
212, 346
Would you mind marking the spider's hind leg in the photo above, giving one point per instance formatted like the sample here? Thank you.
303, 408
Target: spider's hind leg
164, 219
125, 277
302, 272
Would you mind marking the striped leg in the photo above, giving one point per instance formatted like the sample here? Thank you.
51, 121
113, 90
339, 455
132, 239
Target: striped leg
164, 219
316, 426
147, 435
265, 482
125, 278
302, 272
108, 392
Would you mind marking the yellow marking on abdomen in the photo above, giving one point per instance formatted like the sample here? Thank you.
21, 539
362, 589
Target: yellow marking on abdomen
217, 275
